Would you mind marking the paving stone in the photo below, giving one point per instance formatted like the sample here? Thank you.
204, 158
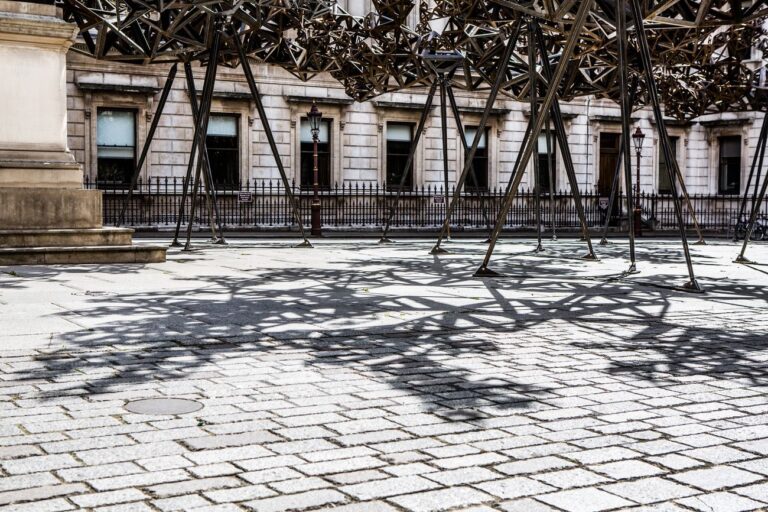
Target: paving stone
368, 506
108, 498
301, 501
300, 485
757, 492
721, 502
38, 463
650, 490
54, 505
444, 499
627, 469
716, 477
191, 486
463, 476
718, 454
40, 493
191, 501
569, 478
138, 480
389, 487
584, 500
523, 467
599, 455
241, 493
515, 487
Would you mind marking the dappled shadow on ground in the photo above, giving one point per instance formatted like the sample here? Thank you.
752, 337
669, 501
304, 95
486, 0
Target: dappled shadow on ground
405, 318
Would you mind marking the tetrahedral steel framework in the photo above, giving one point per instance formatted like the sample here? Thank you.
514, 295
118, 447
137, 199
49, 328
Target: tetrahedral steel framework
685, 54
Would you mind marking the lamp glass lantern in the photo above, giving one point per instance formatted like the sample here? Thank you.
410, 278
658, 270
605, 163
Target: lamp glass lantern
637, 138
314, 116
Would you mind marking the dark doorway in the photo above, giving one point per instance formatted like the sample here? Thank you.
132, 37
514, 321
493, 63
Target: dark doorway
609, 157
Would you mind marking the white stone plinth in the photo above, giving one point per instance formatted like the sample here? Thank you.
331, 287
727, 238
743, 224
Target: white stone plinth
33, 101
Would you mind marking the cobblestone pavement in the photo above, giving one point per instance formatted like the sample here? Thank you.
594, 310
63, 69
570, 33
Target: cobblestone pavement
356, 378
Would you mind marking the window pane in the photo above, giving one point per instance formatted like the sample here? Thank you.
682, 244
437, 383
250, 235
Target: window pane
222, 125
730, 147
469, 135
323, 136
223, 144
116, 128
542, 146
665, 186
729, 179
399, 132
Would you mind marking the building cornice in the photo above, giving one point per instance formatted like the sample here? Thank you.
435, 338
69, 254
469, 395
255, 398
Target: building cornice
34, 25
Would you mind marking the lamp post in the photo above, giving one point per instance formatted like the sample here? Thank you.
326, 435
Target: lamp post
314, 116
637, 138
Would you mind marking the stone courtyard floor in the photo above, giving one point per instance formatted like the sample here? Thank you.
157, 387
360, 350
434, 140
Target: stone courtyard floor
364, 378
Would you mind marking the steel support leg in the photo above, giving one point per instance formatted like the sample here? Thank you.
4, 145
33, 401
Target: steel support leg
444, 137
248, 72
530, 141
190, 165
409, 161
758, 157
211, 203
503, 64
150, 136
462, 136
533, 84
562, 140
551, 172
741, 258
672, 169
626, 114
201, 126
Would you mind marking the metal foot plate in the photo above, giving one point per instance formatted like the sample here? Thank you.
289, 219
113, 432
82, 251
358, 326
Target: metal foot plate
486, 272
305, 244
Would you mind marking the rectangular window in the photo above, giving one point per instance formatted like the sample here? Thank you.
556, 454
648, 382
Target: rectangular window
729, 176
545, 156
399, 143
665, 186
480, 161
323, 155
116, 145
223, 143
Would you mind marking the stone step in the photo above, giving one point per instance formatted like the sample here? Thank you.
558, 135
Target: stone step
65, 237
104, 254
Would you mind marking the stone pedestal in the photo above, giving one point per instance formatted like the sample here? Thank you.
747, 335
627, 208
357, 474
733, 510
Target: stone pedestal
44, 211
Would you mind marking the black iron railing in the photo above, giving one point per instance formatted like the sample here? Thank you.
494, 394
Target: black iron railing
263, 205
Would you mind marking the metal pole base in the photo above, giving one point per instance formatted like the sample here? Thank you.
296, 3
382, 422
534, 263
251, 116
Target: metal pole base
385, 240
486, 272
438, 250
175, 243
590, 257
187, 248
604, 241
305, 244
632, 270
539, 248
742, 259
700, 241
692, 286
554, 238
487, 241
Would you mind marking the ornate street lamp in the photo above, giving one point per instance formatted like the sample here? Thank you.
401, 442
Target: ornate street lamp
314, 115
637, 138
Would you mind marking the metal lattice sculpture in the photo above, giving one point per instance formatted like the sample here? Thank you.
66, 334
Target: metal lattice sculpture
687, 54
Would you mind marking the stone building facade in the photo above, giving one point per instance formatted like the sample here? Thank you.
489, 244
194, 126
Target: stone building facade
111, 107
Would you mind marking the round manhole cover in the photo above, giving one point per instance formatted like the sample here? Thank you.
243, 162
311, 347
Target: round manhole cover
163, 406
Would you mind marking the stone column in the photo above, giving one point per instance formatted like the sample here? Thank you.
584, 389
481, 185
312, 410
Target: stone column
40, 181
